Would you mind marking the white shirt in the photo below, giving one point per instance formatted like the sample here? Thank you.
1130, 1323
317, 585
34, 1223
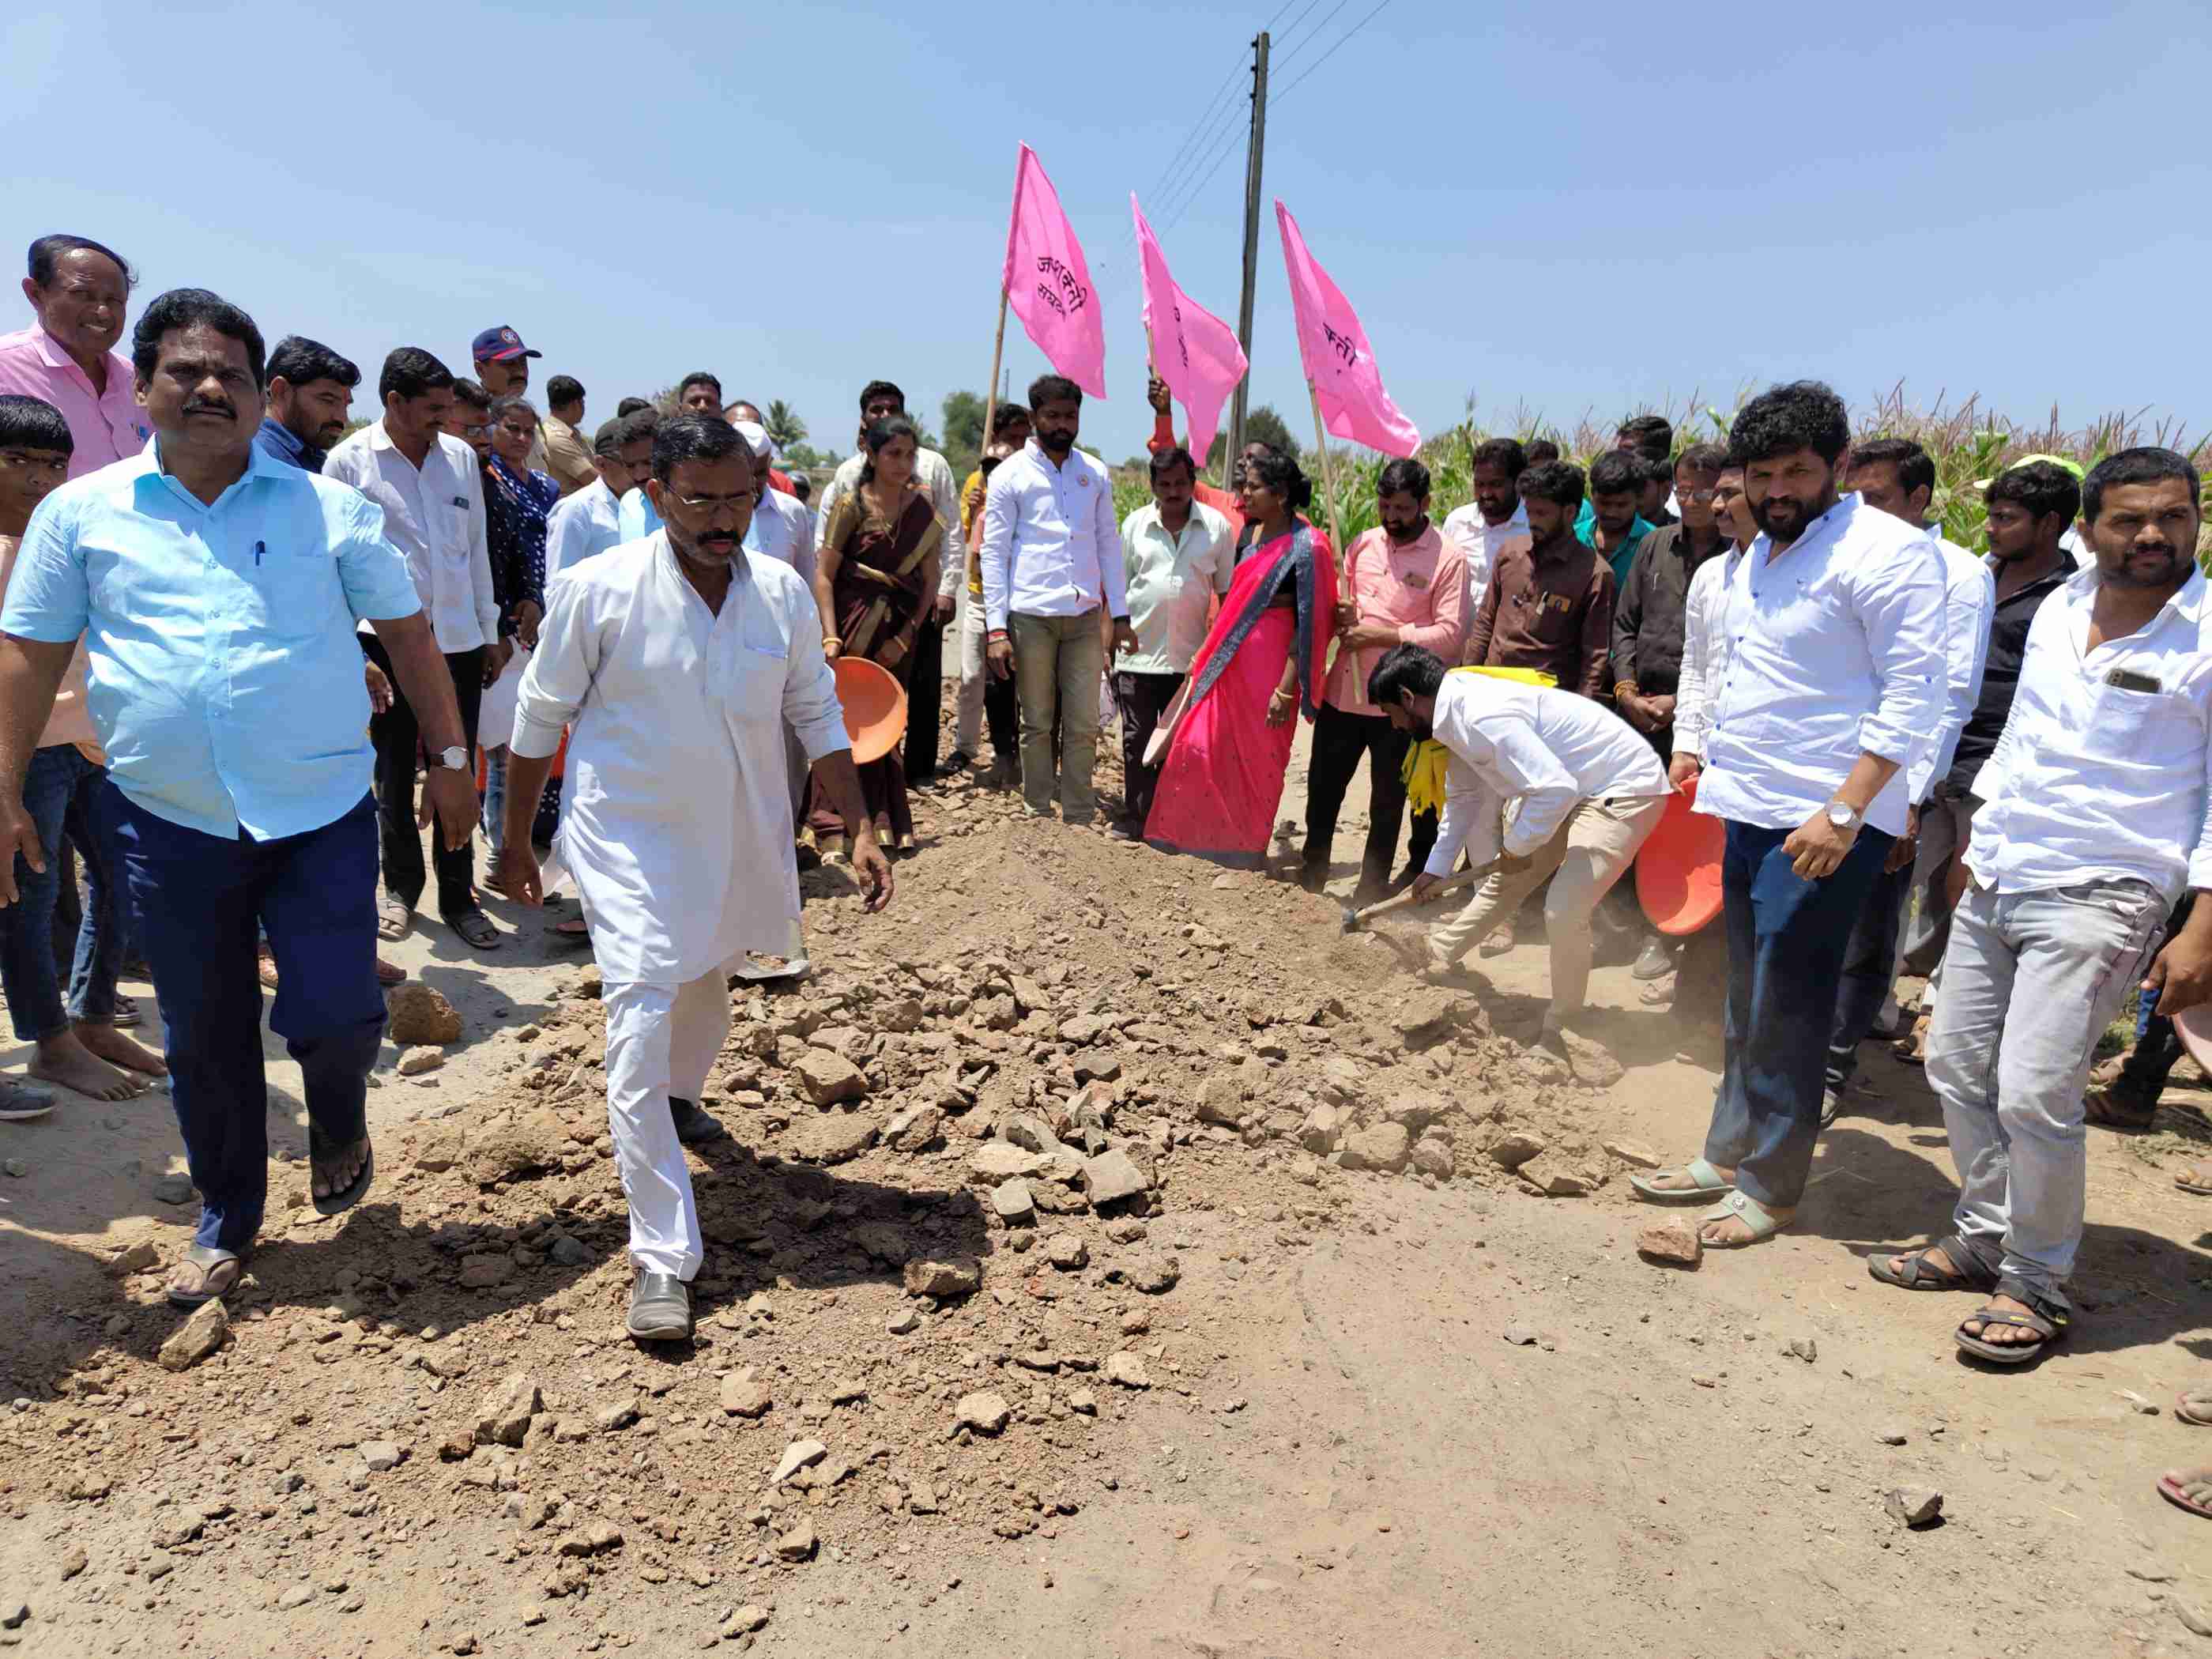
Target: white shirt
1050, 545
434, 515
779, 531
1970, 600
1835, 649
1481, 540
1547, 749
581, 526
936, 475
1169, 582
1704, 649
2098, 782
676, 815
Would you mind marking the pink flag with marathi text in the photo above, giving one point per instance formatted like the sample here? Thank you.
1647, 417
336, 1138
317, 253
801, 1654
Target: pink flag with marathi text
1193, 350
1353, 404
1048, 285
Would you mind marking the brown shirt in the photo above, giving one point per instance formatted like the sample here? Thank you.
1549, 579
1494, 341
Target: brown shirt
1553, 614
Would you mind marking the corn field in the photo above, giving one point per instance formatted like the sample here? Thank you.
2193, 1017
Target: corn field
1969, 444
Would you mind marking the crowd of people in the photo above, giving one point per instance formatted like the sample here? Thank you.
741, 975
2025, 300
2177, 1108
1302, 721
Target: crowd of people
248, 654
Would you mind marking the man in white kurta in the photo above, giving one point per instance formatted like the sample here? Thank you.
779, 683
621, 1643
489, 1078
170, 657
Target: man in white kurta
781, 530
677, 661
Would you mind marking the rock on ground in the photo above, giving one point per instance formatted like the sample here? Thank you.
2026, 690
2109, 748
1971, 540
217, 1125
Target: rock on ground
943, 1278
1914, 1506
417, 1014
829, 1078
1674, 1243
1383, 1146
197, 1338
987, 1412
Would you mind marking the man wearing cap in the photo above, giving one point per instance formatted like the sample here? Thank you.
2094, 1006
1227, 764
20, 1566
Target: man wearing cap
504, 370
742, 411
676, 663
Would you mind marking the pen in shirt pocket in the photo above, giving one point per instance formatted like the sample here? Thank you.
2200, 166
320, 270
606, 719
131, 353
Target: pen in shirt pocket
259, 548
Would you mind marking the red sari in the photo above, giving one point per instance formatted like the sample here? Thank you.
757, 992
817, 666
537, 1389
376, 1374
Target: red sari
1223, 777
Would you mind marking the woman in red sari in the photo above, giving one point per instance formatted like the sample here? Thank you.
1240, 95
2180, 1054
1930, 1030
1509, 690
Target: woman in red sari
1263, 662
874, 580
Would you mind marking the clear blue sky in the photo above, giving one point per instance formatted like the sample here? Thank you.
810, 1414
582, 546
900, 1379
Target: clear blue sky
1580, 207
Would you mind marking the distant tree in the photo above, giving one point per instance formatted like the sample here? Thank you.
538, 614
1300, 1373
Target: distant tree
785, 429
963, 431
804, 456
1262, 426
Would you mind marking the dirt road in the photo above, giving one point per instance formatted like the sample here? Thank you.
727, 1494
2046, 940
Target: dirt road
1379, 1410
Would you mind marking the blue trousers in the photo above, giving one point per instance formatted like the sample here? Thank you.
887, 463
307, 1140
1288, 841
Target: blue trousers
199, 897
1870, 969
57, 786
1786, 938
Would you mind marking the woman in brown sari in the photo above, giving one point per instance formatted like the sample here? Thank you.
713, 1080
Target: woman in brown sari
874, 581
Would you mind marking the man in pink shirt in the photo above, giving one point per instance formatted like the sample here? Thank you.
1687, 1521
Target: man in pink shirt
1403, 584
79, 292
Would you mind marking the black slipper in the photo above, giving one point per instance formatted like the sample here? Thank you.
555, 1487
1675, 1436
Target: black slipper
345, 1198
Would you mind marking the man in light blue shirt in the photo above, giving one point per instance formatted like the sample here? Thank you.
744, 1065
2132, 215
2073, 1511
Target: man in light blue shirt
217, 591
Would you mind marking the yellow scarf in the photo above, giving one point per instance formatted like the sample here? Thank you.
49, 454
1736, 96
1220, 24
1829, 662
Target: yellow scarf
1425, 761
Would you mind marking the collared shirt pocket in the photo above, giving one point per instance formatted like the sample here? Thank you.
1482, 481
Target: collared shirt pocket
749, 681
291, 592
2128, 722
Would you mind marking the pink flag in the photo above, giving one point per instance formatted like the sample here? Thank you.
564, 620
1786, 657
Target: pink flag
1047, 283
1353, 404
1195, 351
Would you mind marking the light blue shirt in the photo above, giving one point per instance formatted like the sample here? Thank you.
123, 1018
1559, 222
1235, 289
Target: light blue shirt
225, 677
638, 520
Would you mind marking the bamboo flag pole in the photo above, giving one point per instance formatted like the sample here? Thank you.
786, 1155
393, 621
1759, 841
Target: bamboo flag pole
990, 387
1328, 479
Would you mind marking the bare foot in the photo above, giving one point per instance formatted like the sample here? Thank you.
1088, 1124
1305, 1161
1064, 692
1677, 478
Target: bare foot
340, 1171
2189, 1488
65, 1060
113, 1046
2195, 1407
1939, 1263
2003, 1336
1733, 1233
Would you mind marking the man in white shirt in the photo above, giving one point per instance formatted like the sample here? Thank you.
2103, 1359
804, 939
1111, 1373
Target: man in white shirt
1051, 560
1896, 475
1177, 554
431, 488
2096, 814
589, 522
1494, 517
879, 401
781, 531
1834, 682
1548, 778
677, 661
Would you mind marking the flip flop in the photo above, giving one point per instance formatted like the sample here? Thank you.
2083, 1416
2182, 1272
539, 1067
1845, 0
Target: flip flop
1710, 1185
394, 916
2194, 1179
208, 1258
1740, 1206
345, 1198
2189, 1414
1918, 1275
2173, 1486
126, 1013
476, 928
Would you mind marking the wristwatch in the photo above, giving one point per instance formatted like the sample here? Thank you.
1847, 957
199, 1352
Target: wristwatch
455, 759
1845, 817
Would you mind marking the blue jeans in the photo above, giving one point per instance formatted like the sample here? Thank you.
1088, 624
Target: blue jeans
199, 895
1786, 938
1870, 969
57, 786
495, 800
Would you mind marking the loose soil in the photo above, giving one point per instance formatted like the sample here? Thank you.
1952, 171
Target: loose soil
1272, 1404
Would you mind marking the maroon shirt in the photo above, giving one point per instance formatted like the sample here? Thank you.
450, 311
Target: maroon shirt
1552, 613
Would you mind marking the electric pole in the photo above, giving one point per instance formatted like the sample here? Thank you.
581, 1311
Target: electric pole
1252, 160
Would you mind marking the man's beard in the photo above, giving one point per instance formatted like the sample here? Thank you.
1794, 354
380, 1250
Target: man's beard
2126, 576
1781, 517
1405, 533
1056, 443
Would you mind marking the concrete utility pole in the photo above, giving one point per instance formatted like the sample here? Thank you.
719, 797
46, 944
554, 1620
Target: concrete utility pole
1252, 160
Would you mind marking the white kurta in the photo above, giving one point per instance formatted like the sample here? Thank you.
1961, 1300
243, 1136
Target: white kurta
676, 818
781, 531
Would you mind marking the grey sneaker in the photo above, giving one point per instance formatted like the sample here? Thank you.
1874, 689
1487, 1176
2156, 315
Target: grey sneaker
659, 1308
21, 1101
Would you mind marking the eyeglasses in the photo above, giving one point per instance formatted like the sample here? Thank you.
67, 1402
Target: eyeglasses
1699, 495
475, 431
710, 506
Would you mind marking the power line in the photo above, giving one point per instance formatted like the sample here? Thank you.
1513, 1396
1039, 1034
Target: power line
1290, 48
1212, 112
1278, 97
1200, 182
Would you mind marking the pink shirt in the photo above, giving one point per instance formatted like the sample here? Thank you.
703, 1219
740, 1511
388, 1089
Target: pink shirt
108, 426
1419, 589
72, 720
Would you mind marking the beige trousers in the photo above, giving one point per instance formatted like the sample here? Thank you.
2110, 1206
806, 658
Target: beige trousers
1596, 843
